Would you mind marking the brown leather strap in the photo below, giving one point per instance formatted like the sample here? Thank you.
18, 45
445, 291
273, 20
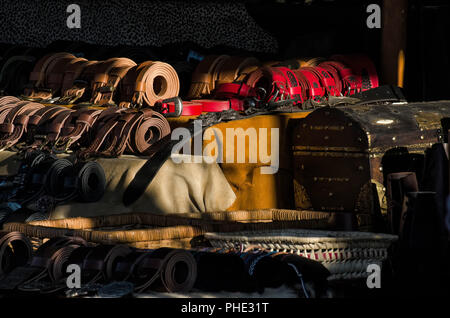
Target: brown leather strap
235, 69
77, 125
152, 81
151, 128
205, 76
47, 71
108, 76
81, 85
15, 123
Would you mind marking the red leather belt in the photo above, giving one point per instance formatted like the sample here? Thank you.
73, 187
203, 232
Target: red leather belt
273, 84
175, 107
233, 90
362, 67
314, 87
350, 82
214, 105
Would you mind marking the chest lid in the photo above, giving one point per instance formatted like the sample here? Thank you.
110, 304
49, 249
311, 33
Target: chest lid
371, 128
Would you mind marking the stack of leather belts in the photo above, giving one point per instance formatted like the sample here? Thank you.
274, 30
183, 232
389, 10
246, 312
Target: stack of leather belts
303, 83
163, 269
119, 270
109, 132
65, 79
44, 181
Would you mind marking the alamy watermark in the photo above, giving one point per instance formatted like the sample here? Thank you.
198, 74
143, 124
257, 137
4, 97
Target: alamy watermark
239, 145
374, 278
74, 19
374, 19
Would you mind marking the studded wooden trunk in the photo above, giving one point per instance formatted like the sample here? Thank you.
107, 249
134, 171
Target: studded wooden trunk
343, 154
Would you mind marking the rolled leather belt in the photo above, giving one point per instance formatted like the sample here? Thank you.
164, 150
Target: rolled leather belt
274, 84
81, 85
15, 250
205, 76
350, 82
235, 69
91, 182
109, 73
164, 266
335, 75
315, 90
15, 123
136, 131
40, 75
363, 67
38, 266
44, 126
98, 263
148, 83
69, 94
75, 127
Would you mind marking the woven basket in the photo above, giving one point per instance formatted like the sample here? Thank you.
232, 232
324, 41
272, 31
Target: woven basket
144, 230
345, 254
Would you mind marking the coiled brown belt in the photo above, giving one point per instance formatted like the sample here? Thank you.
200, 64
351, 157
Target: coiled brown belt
174, 269
97, 82
107, 132
15, 250
24, 277
147, 83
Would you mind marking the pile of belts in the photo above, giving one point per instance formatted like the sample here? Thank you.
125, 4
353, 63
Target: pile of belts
43, 181
119, 270
240, 83
63, 78
108, 132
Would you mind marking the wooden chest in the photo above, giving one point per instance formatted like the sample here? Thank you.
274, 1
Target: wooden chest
342, 155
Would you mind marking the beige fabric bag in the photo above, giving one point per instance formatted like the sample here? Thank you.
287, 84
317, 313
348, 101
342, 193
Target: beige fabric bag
177, 188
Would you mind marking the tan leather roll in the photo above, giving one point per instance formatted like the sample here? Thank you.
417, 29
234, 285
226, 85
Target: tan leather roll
235, 69
148, 83
205, 76
47, 70
81, 83
109, 73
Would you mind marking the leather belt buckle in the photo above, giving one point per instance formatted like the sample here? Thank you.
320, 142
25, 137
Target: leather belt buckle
171, 107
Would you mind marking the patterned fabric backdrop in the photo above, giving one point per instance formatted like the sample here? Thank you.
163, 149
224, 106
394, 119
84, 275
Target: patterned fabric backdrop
134, 22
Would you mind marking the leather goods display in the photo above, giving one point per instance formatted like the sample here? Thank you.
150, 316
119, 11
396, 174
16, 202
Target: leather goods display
27, 277
173, 270
235, 69
15, 250
275, 84
175, 107
66, 79
343, 154
132, 131
205, 76
362, 67
43, 181
147, 83
107, 78
278, 84
46, 77
92, 132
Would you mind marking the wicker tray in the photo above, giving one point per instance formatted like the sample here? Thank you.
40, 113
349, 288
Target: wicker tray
345, 254
144, 230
